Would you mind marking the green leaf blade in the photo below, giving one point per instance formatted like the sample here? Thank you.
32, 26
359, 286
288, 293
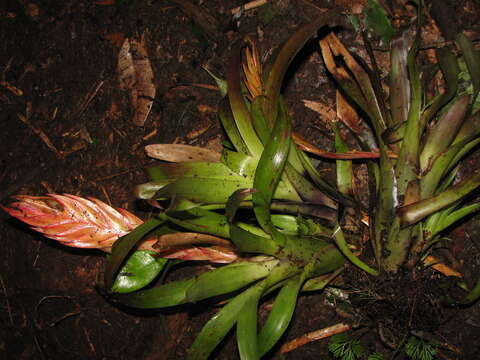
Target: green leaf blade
139, 270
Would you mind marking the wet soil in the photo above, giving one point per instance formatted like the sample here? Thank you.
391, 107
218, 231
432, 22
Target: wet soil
66, 127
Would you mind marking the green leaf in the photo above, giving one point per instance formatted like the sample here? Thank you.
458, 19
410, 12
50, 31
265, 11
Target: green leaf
473, 295
200, 220
472, 58
287, 223
199, 190
441, 135
453, 217
270, 170
407, 188
241, 164
411, 214
307, 190
212, 283
344, 167
183, 170
322, 183
171, 294
139, 271
355, 21
247, 328
320, 282
219, 325
450, 70
240, 112
123, 246
286, 55
228, 121
249, 242
399, 83
221, 83
443, 164
234, 202
377, 20
343, 246
280, 315
228, 278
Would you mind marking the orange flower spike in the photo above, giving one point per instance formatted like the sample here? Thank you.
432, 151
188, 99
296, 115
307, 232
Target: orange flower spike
74, 221
90, 223
252, 70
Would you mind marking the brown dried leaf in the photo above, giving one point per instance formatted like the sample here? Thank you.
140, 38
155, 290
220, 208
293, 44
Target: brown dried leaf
181, 153
326, 112
347, 114
136, 77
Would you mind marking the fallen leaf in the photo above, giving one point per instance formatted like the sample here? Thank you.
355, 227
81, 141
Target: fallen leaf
136, 77
327, 114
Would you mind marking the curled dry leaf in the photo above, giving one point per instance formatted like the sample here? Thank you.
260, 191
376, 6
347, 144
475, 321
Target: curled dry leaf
326, 112
136, 77
181, 153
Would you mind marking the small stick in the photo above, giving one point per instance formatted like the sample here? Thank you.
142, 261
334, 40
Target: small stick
41, 134
63, 317
248, 6
89, 341
87, 100
198, 85
105, 193
108, 177
314, 336
9, 310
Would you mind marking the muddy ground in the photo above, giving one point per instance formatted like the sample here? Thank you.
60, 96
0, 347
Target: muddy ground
66, 127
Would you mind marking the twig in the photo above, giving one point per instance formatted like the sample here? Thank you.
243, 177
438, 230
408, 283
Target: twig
40, 303
248, 6
39, 347
105, 193
314, 336
63, 317
37, 254
89, 341
198, 85
87, 100
108, 177
41, 134
150, 135
9, 310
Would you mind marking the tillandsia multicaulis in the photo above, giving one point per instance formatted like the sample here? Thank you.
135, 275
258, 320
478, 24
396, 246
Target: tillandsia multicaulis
290, 235
90, 223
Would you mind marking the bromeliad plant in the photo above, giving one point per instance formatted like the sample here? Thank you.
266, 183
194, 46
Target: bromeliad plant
288, 236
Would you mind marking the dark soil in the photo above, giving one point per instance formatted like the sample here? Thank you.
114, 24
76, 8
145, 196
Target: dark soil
77, 137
